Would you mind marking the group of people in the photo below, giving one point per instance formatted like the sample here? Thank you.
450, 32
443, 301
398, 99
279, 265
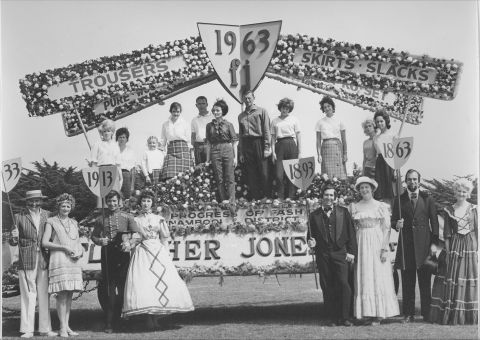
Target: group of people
138, 274
358, 237
351, 244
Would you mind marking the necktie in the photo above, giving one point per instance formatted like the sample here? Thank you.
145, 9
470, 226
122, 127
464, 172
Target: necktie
413, 199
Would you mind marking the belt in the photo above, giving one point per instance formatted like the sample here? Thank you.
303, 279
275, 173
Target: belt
200, 143
219, 143
252, 137
125, 170
284, 138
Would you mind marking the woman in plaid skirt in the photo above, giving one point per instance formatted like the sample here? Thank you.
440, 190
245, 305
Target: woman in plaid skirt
175, 135
331, 141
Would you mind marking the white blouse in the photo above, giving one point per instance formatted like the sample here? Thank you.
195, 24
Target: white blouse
152, 160
106, 153
175, 131
330, 127
287, 127
127, 158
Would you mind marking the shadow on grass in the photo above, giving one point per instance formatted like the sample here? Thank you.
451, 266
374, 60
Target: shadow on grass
93, 320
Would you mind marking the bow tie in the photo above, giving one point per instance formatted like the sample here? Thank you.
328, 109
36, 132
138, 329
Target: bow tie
413, 196
327, 208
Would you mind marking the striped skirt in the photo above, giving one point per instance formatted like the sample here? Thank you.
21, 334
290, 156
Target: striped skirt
454, 292
178, 159
332, 158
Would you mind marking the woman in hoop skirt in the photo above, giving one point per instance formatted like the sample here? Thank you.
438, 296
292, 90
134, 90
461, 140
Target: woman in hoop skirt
153, 285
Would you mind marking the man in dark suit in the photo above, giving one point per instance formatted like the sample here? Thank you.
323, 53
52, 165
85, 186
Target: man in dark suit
27, 232
114, 261
333, 237
419, 224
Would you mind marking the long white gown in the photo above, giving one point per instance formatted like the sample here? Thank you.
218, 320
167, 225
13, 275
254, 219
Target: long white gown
153, 285
374, 289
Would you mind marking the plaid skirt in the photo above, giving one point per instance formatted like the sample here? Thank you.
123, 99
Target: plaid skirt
178, 159
332, 158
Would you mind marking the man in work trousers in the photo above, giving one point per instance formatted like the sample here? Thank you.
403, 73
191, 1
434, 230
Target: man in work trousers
333, 238
199, 126
27, 232
419, 223
254, 146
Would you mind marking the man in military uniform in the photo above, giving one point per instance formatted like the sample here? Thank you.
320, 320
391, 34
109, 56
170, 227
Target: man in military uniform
108, 233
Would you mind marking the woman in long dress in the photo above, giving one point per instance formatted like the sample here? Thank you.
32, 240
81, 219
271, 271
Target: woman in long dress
384, 174
64, 271
153, 285
375, 296
454, 293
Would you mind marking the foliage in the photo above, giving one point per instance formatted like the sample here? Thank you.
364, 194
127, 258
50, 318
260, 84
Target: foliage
53, 180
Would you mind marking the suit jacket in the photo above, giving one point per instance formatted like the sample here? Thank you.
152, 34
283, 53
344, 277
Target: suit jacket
29, 240
344, 231
422, 222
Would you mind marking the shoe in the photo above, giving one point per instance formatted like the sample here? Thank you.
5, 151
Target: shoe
72, 333
50, 333
344, 322
408, 319
27, 335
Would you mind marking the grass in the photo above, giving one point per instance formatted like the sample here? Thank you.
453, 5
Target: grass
248, 307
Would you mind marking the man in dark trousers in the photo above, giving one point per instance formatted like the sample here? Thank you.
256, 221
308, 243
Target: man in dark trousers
108, 234
333, 237
419, 223
254, 146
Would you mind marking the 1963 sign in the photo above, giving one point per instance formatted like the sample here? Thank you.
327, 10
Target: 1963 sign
240, 54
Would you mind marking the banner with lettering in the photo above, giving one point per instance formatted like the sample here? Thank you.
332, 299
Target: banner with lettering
108, 87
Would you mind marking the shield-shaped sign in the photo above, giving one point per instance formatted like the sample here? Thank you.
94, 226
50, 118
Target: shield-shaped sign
11, 172
240, 54
300, 171
100, 180
397, 151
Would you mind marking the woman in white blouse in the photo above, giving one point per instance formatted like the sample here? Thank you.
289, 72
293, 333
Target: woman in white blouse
107, 152
331, 141
126, 160
285, 145
175, 136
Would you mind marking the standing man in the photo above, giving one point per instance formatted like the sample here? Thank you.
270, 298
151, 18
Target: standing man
108, 234
420, 230
199, 125
33, 272
254, 146
333, 238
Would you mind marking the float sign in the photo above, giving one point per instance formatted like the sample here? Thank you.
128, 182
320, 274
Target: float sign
11, 172
300, 171
397, 152
241, 54
100, 180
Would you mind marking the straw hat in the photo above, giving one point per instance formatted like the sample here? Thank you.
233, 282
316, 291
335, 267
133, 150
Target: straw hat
31, 194
365, 179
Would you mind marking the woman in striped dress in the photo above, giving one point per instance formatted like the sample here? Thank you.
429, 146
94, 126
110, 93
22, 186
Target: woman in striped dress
331, 141
64, 271
454, 293
175, 136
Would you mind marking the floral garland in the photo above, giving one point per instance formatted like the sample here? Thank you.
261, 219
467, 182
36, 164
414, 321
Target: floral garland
34, 87
443, 87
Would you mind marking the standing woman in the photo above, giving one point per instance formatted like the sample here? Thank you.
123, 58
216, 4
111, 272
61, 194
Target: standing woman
126, 160
221, 145
384, 174
64, 272
176, 134
375, 296
454, 293
153, 285
285, 145
369, 151
331, 141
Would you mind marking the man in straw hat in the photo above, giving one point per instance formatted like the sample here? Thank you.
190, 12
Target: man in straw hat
33, 274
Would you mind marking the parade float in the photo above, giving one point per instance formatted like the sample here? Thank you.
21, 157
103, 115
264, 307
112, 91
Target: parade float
264, 237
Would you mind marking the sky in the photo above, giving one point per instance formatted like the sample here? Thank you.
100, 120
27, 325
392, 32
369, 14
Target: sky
39, 35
